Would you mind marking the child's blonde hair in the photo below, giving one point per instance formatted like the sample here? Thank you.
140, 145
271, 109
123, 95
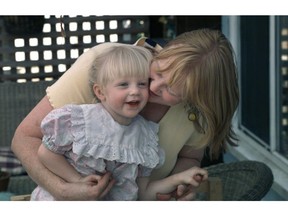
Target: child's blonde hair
120, 61
202, 63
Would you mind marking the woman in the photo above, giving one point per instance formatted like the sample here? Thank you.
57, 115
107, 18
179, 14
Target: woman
193, 96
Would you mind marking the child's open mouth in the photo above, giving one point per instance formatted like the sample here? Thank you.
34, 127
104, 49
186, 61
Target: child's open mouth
133, 103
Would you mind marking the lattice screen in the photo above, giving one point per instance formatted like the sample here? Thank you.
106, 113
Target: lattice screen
47, 54
283, 87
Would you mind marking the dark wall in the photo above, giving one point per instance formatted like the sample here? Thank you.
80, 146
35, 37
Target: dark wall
188, 23
181, 24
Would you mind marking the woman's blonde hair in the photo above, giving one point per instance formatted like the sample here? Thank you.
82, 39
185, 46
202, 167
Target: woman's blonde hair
120, 61
202, 63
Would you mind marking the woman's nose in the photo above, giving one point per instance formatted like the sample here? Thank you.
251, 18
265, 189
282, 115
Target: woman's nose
156, 86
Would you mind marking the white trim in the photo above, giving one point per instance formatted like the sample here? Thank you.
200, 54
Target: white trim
233, 33
272, 75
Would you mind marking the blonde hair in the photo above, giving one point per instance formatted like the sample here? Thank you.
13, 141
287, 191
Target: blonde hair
202, 63
120, 61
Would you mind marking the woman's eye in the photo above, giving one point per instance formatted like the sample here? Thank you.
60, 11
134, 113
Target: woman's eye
159, 74
171, 92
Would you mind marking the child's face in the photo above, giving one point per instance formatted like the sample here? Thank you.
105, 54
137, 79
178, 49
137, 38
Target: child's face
124, 98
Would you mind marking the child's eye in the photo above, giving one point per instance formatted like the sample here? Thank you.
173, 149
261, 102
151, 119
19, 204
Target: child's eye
124, 84
143, 84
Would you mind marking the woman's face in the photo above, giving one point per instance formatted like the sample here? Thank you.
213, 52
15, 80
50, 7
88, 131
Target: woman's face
160, 92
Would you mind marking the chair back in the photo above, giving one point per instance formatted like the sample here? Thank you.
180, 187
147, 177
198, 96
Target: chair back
16, 101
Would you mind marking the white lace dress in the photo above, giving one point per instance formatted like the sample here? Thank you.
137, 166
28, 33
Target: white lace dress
94, 143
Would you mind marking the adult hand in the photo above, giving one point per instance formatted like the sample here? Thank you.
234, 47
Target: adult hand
93, 188
182, 193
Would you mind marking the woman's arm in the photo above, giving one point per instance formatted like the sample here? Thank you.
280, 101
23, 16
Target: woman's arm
149, 189
25, 144
57, 164
187, 158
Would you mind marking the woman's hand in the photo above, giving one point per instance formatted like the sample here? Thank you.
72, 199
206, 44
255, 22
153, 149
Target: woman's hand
92, 187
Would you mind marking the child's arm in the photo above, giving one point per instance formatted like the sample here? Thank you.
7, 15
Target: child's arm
148, 189
58, 165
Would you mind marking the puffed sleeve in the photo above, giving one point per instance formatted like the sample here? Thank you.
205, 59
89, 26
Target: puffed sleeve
56, 129
146, 171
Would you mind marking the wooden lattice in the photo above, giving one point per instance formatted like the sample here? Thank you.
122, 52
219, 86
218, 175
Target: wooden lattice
49, 53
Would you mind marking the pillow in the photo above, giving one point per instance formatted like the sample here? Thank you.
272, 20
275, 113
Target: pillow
9, 163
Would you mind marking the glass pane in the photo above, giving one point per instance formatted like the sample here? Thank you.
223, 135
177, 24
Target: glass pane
254, 101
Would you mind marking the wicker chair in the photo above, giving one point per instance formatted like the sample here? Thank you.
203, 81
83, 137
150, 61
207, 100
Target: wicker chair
16, 101
237, 181
243, 180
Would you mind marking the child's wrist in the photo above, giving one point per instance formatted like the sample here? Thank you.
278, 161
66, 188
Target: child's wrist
178, 179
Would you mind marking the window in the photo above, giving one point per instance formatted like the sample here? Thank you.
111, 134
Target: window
261, 48
254, 78
264, 82
282, 84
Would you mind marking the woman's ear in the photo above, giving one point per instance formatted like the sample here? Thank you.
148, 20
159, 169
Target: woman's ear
98, 91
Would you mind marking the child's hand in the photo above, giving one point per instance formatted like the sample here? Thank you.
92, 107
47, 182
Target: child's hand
193, 176
186, 191
92, 187
188, 181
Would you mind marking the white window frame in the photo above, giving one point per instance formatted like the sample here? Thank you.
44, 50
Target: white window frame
249, 147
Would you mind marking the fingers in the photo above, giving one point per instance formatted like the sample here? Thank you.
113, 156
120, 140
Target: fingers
198, 178
185, 193
93, 178
163, 197
195, 177
184, 190
105, 184
166, 197
181, 189
200, 174
187, 197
